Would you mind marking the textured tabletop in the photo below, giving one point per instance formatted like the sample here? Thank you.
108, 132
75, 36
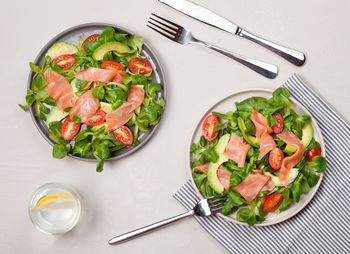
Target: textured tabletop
138, 190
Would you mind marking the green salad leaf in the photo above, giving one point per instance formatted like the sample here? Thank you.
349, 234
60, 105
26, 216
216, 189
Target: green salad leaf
318, 163
249, 215
199, 178
245, 107
281, 98
60, 151
136, 42
210, 155
286, 203
233, 201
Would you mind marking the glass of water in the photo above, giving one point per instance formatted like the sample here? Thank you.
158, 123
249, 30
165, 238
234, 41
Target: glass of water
55, 208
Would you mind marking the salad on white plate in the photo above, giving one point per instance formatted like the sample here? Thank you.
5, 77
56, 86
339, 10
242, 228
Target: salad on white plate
262, 156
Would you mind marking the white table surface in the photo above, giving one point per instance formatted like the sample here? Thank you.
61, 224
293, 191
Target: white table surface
138, 190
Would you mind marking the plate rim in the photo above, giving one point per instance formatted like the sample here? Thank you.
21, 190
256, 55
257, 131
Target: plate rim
155, 58
321, 141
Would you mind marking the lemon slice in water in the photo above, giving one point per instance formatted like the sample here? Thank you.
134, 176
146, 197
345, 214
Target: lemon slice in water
58, 200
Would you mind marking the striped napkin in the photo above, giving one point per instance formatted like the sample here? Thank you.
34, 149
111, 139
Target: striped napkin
323, 226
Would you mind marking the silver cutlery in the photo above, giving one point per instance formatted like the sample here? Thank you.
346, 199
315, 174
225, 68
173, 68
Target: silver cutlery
208, 17
183, 36
203, 208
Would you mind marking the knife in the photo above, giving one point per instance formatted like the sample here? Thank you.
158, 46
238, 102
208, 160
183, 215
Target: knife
211, 18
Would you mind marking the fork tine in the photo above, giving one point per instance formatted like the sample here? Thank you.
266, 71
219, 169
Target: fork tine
221, 203
216, 206
175, 29
164, 34
214, 200
172, 32
172, 23
218, 209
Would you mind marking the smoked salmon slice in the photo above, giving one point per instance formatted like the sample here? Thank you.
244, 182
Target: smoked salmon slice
119, 77
65, 101
261, 125
59, 89
202, 168
97, 74
289, 162
251, 186
85, 106
224, 177
262, 132
237, 150
136, 96
120, 116
269, 186
267, 144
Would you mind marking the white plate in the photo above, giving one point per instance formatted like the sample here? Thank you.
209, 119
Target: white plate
228, 104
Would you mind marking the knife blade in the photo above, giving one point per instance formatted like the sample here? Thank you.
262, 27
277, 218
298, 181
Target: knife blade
211, 18
202, 14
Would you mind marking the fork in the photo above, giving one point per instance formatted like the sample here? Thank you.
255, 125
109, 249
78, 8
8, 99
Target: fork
203, 208
183, 36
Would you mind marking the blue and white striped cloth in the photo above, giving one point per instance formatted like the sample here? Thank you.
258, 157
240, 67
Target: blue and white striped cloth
323, 226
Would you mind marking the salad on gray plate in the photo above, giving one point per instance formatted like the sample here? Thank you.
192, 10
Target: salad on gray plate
95, 97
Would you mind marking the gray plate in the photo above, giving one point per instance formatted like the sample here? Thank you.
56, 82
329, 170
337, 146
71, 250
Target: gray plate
72, 35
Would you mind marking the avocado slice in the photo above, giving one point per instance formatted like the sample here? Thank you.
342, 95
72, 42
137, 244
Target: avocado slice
56, 114
107, 47
95, 128
73, 83
61, 48
213, 179
248, 138
106, 107
308, 133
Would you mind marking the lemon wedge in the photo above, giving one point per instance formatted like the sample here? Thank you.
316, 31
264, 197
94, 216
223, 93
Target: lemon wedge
52, 200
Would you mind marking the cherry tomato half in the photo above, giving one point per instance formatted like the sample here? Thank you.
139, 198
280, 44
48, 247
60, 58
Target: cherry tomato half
123, 135
279, 123
90, 38
272, 202
276, 157
312, 153
140, 66
69, 129
65, 61
209, 124
96, 119
112, 65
